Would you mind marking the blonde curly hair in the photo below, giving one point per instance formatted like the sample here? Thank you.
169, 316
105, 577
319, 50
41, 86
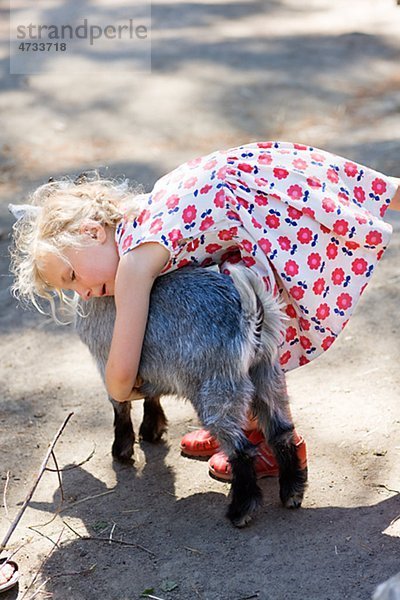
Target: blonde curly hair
52, 222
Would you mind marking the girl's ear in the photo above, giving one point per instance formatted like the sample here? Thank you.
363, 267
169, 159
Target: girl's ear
94, 229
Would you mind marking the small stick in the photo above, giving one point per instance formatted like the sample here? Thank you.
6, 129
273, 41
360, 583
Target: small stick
36, 575
111, 533
5, 494
74, 466
59, 476
35, 484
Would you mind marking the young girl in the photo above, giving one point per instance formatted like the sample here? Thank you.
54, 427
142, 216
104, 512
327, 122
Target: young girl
308, 222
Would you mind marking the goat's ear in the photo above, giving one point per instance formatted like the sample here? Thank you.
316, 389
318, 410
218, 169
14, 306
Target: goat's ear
21, 210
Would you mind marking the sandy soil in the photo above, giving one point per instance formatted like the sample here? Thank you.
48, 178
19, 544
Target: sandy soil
320, 72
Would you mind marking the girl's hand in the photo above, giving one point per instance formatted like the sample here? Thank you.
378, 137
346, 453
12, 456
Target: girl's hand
137, 271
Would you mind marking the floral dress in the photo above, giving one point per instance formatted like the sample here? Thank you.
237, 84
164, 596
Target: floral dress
308, 222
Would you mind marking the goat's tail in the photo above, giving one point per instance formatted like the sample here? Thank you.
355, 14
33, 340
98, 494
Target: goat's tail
261, 309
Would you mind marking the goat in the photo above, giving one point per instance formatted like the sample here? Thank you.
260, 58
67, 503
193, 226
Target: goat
212, 339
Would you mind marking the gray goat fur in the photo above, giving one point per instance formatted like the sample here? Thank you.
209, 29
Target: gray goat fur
211, 339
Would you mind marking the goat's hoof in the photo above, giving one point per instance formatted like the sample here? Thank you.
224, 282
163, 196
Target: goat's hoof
241, 513
152, 432
122, 449
292, 492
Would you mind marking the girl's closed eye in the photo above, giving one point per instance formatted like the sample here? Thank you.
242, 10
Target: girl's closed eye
73, 277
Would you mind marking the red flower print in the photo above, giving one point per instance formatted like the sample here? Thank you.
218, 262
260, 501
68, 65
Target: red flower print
247, 245
280, 173
350, 169
331, 251
328, 205
303, 360
126, 243
265, 245
227, 234
183, 263
143, 216
174, 236
265, 159
314, 182
255, 223
324, 229
300, 164
304, 235
341, 227
304, 324
359, 266
172, 201
221, 173
242, 202
359, 194
352, 245
379, 255
158, 195
245, 167
265, 144
233, 216
211, 248
344, 301
374, 238
337, 276
361, 219
314, 260
332, 175
291, 268
189, 213
296, 292
379, 186
260, 199
309, 212
295, 192
191, 182
193, 245
206, 223
205, 189
300, 147
305, 342
319, 286
210, 164
275, 196
194, 162
327, 342
206, 262
156, 226
293, 213
284, 242
290, 333
272, 221
285, 357
290, 311
343, 198
317, 157
248, 261
260, 181
323, 311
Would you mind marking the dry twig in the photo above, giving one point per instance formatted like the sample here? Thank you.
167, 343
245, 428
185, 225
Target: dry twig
35, 484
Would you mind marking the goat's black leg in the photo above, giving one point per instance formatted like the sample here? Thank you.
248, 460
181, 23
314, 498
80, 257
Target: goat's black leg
154, 422
245, 495
124, 436
271, 407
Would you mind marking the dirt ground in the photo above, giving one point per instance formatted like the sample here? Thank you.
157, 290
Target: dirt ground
224, 73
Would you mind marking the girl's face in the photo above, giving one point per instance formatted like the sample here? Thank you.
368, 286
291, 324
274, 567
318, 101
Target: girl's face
90, 271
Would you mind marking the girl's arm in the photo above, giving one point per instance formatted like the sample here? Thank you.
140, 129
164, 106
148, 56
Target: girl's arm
395, 203
137, 271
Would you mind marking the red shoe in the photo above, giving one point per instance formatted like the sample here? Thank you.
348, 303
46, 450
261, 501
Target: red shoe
265, 463
199, 443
